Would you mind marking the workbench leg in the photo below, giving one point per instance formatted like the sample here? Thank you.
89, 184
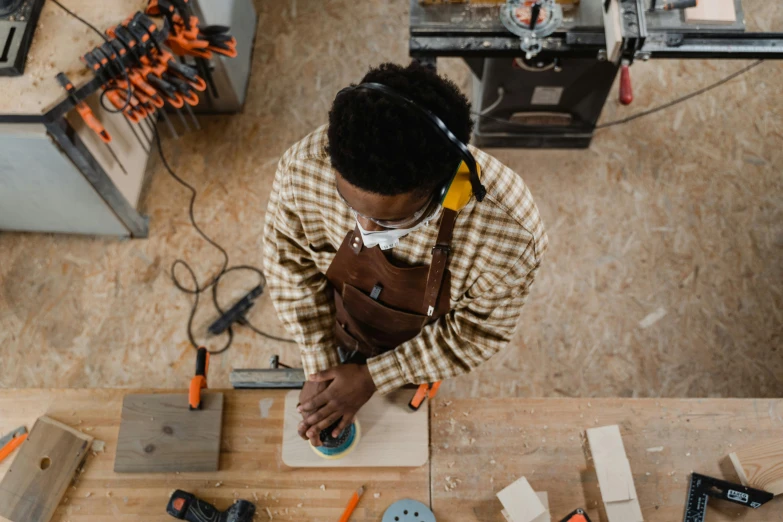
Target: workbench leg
73, 147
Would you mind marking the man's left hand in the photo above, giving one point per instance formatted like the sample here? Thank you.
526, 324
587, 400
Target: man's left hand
351, 387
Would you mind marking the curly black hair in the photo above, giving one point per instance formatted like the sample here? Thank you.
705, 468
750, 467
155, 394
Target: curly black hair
384, 148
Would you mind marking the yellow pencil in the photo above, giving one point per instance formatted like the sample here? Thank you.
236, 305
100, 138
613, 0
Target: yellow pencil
352, 504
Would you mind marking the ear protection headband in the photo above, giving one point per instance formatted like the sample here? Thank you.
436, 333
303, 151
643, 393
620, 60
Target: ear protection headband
456, 193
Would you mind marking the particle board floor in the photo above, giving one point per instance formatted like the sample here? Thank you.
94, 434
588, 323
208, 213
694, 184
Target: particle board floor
663, 276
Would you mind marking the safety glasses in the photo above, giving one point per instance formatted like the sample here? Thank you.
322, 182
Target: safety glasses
423, 212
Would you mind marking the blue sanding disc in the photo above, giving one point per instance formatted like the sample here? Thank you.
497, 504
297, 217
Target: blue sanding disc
407, 510
348, 440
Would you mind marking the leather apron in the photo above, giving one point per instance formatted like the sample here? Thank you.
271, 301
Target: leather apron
381, 304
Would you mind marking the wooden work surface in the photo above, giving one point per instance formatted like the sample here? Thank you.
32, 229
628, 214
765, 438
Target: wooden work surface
481, 446
58, 42
250, 464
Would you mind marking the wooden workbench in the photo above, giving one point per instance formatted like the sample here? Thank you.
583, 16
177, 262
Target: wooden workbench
477, 448
250, 464
481, 446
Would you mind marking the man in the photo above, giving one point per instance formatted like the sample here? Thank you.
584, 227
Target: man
375, 250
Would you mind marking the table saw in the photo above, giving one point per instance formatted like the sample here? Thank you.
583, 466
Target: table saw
541, 79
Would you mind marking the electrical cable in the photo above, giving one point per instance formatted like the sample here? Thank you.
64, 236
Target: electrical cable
647, 112
681, 99
197, 289
128, 90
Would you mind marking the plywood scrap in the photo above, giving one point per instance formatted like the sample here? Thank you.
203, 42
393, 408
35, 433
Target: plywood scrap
614, 474
159, 433
712, 12
39, 475
761, 465
522, 504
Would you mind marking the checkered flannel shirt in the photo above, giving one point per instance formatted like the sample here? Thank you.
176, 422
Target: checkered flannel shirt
496, 252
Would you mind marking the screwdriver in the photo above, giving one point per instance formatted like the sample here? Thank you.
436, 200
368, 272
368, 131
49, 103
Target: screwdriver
676, 4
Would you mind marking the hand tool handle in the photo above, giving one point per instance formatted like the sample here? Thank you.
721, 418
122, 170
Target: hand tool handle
626, 91
419, 396
679, 4
11, 446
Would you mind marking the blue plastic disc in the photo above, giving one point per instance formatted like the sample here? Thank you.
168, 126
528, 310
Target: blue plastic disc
407, 510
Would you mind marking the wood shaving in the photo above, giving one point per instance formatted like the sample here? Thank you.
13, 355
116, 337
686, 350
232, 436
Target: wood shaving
98, 445
255, 496
299, 505
88, 495
269, 513
655, 449
376, 495
217, 485
323, 488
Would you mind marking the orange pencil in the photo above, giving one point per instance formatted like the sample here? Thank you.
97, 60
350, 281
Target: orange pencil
352, 504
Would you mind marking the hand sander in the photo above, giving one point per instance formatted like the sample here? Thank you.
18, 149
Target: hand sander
333, 448
186, 506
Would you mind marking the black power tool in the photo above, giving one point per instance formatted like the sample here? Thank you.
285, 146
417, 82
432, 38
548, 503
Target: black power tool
186, 506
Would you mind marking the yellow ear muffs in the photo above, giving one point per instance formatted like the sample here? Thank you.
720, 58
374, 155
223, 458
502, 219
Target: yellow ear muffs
457, 193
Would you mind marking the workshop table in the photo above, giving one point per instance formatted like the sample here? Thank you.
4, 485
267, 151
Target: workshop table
250, 464
481, 446
478, 446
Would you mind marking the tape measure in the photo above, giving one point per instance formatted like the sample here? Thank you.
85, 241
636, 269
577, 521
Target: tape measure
703, 487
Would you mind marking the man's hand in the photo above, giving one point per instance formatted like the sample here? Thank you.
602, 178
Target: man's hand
309, 391
348, 388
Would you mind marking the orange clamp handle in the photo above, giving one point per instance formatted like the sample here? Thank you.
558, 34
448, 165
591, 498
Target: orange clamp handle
626, 91
419, 396
11, 446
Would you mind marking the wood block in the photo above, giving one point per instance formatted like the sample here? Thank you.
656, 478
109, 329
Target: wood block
761, 465
42, 470
159, 434
521, 503
614, 474
613, 31
712, 12
391, 435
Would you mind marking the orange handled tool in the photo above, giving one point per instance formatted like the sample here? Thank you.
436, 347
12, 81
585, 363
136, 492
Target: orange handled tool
425, 390
578, 515
12, 441
626, 91
199, 381
352, 504
84, 110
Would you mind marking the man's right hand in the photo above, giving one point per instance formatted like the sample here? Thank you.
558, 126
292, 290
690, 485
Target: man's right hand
309, 390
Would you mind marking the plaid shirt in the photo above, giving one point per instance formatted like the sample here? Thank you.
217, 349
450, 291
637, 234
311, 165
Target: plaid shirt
496, 251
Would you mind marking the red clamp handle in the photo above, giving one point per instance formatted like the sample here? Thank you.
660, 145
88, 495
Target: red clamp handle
626, 91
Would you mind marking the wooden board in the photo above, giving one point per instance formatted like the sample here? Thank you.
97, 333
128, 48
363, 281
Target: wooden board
761, 465
712, 12
160, 434
391, 435
41, 471
250, 464
613, 471
613, 31
486, 444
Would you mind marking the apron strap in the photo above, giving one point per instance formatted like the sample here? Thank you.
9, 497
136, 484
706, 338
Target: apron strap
440, 258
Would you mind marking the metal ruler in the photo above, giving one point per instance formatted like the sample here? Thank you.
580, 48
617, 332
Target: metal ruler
703, 487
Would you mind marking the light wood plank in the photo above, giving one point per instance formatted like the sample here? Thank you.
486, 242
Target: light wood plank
761, 465
36, 481
160, 434
250, 464
712, 12
488, 443
391, 435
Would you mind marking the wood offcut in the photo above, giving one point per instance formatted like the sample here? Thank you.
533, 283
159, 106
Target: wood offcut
761, 465
41, 472
614, 474
160, 434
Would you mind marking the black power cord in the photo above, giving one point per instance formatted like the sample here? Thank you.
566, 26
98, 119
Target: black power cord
196, 290
649, 111
128, 91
